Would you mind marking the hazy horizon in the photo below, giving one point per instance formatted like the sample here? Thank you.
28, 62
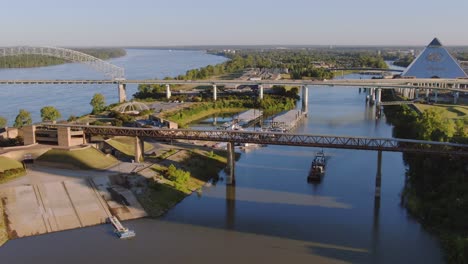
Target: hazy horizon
146, 23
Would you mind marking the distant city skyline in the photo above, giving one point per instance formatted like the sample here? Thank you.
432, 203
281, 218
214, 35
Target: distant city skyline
240, 22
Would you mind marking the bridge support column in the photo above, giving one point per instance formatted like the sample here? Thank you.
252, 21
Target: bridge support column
416, 93
427, 93
372, 96
29, 135
64, 136
139, 149
122, 92
215, 92
436, 93
305, 100
378, 176
231, 163
260, 87
455, 97
378, 96
168, 91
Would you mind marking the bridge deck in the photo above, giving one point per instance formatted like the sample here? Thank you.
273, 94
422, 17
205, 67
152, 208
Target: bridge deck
374, 83
271, 138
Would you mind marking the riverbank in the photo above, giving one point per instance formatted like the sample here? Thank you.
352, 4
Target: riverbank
190, 115
439, 203
270, 104
163, 191
3, 229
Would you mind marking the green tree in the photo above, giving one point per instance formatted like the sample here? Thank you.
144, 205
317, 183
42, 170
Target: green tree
432, 125
98, 103
50, 113
3, 121
23, 119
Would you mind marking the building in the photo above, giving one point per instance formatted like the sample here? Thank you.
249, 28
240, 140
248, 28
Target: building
434, 62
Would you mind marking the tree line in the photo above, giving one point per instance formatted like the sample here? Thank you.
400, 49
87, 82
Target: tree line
50, 113
436, 189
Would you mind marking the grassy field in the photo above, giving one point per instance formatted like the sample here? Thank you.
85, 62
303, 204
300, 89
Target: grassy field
162, 194
450, 111
3, 230
88, 158
187, 119
7, 163
126, 145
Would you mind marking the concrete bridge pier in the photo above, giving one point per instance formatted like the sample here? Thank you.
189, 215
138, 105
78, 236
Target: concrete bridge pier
168, 91
122, 87
367, 90
427, 93
139, 149
305, 100
455, 97
29, 135
436, 93
260, 87
215, 92
378, 96
378, 176
416, 93
231, 163
371, 96
64, 136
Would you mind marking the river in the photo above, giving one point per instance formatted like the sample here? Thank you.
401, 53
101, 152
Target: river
74, 99
272, 214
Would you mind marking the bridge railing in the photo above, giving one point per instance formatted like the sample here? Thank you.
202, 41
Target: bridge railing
272, 138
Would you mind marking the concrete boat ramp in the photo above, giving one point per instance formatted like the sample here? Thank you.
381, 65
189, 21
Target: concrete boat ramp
49, 206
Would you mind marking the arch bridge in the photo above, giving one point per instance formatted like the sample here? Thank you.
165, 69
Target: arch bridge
108, 69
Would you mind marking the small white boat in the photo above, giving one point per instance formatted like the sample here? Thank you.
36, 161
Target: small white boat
121, 231
123, 234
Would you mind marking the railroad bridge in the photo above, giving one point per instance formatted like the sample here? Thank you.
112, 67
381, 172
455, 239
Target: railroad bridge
67, 135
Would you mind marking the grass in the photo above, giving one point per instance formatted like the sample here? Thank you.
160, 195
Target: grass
88, 158
167, 154
7, 163
162, 194
3, 229
187, 119
450, 111
126, 145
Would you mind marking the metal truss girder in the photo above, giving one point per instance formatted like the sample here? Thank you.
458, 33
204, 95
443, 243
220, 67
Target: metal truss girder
270, 138
105, 67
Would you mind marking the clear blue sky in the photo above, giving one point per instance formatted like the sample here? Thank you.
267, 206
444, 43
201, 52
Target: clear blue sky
204, 22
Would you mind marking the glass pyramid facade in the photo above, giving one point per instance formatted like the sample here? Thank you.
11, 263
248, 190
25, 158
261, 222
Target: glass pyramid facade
434, 62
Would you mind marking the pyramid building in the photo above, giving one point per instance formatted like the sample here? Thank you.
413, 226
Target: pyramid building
435, 62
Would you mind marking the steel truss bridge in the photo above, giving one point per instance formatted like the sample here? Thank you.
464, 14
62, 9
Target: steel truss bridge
270, 138
105, 67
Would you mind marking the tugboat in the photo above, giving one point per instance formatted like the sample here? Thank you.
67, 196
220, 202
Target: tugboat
317, 168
